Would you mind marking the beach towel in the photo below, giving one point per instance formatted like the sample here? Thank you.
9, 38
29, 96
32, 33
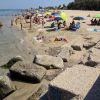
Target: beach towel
53, 29
93, 30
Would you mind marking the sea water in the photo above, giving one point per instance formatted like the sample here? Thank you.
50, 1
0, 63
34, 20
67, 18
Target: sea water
12, 40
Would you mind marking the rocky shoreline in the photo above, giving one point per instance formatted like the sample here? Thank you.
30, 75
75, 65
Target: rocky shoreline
58, 70
47, 67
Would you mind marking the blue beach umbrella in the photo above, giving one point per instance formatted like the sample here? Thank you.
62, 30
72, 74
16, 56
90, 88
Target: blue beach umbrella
55, 14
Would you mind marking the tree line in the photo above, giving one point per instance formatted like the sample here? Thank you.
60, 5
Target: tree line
85, 5
82, 5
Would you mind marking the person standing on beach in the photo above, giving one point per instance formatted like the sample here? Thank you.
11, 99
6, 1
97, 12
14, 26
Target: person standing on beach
43, 22
21, 26
11, 22
16, 21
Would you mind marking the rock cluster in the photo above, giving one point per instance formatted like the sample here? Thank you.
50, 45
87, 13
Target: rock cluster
78, 82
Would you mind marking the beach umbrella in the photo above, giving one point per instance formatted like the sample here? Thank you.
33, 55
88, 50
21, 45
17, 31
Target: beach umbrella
47, 13
78, 18
63, 16
97, 16
55, 14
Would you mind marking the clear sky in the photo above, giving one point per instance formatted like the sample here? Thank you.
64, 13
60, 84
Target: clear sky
11, 4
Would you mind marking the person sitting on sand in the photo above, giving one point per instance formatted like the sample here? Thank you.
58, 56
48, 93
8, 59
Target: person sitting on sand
59, 25
92, 22
64, 24
98, 22
52, 25
95, 21
72, 24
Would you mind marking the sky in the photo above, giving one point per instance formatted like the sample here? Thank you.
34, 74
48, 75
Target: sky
20, 4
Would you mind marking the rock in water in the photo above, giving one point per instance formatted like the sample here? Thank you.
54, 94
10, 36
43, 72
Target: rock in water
13, 61
5, 86
49, 61
1, 24
26, 71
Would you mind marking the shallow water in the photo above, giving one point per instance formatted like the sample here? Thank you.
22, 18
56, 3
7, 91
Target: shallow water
12, 42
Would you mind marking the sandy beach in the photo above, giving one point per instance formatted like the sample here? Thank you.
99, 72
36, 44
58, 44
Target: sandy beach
69, 35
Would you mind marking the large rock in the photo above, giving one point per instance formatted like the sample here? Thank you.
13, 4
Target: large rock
27, 71
97, 45
5, 86
77, 83
28, 91
49, 61
39, 94
77, 46
12, 61
54, 51
92, 58
76, 58
89, 44
65, 53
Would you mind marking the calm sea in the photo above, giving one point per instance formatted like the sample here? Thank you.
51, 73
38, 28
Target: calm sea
10, 12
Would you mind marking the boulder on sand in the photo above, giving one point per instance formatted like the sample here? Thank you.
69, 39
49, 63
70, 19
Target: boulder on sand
77, 46
92, 57
77, 83
65, 53
49, 61
98, 45
76, 58
5, 86
27, 71
89, 44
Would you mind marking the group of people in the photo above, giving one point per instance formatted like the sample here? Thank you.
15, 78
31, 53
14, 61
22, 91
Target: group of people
35, 19
73, 26
41, 20
62, 25
95, 22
